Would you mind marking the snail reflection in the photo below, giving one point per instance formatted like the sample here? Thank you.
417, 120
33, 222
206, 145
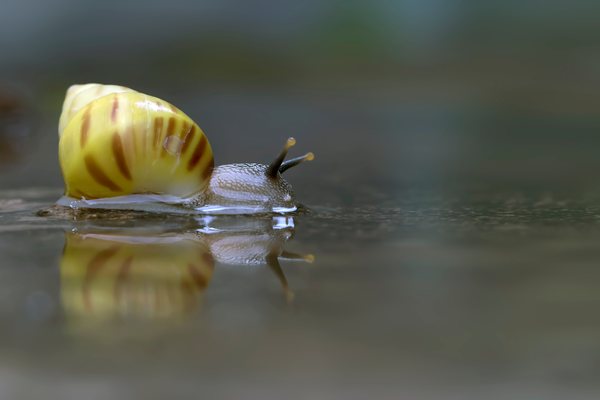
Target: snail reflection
149, 273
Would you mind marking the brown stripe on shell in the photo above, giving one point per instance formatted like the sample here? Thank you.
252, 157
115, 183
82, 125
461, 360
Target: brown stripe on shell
170, 131
208, 169
117, 149
85, 125
185, 129
198, 152
144, 138
115, 109
158, 128
99, 176
171, 126
189, 138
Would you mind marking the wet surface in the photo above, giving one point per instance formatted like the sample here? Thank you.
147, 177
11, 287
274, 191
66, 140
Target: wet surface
448, 243
474, 295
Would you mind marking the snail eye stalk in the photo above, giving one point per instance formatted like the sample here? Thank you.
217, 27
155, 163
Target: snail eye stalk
273, 168
295, 161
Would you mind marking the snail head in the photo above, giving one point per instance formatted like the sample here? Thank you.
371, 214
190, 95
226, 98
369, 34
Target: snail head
252, 187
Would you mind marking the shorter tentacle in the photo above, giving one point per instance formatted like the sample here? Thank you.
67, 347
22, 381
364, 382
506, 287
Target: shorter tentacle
295, 161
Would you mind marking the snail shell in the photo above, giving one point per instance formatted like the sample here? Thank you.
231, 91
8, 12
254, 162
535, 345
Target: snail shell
115, 141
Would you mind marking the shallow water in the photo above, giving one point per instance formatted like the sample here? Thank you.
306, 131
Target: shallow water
482, 297
447, 247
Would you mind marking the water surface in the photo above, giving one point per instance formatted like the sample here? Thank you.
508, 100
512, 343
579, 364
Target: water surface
471, 295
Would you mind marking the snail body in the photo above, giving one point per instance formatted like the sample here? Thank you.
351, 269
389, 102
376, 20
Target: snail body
119, 148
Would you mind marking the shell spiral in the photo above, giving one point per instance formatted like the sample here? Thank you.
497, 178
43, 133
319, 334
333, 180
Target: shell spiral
115, 141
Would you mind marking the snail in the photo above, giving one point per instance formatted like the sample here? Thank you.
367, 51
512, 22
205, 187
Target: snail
122, 149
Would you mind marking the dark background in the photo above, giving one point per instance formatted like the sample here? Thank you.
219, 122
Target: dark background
449, 97
454, 203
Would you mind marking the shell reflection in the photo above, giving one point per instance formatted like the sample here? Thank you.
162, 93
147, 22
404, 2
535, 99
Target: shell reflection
115, 274
149, 273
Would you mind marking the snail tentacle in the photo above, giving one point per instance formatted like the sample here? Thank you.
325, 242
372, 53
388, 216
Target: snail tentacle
295, 161
273, 168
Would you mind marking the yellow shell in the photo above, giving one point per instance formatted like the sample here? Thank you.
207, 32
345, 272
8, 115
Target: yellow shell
115, 141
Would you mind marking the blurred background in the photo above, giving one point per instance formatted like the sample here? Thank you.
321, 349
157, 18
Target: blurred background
454, 201
391, 95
